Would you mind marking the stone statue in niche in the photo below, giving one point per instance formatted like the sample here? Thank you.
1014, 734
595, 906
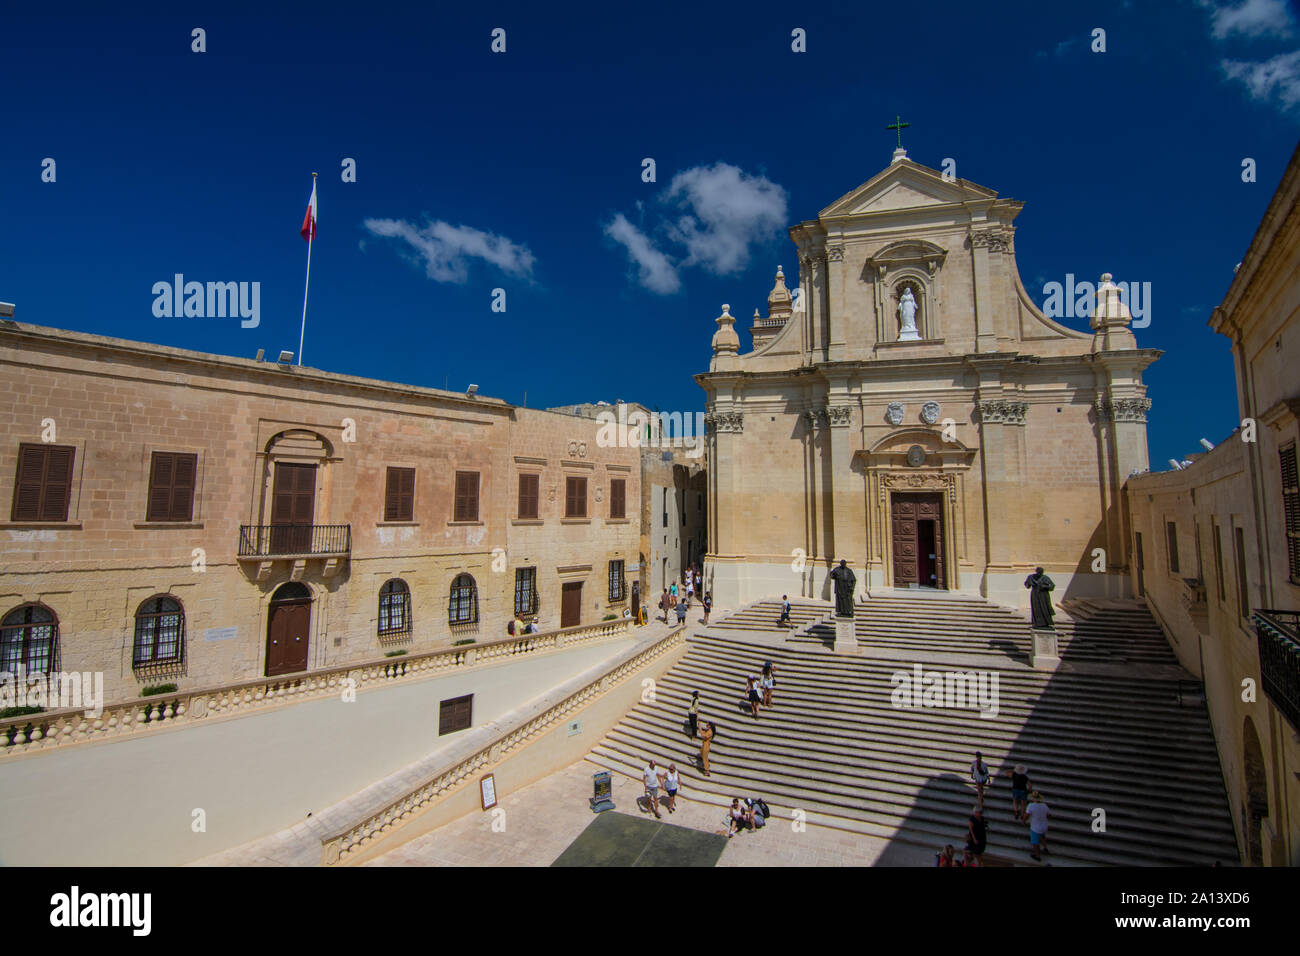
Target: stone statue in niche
907, 315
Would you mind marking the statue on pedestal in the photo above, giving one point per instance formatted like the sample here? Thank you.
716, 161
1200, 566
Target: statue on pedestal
907, 312
1040, 599
844, 580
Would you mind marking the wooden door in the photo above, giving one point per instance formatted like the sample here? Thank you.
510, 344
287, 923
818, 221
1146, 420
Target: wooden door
906, 544
293, 506
571, 605
287, 637
929, 508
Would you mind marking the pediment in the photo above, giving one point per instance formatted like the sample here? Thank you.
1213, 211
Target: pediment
905, 185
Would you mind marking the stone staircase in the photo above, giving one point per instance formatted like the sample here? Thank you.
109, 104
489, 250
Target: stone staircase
835, 746
1113, 632
763, 616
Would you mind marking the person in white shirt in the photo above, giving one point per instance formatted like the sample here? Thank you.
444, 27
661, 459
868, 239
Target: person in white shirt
651, 775
1037, 812
979, 773
671, 784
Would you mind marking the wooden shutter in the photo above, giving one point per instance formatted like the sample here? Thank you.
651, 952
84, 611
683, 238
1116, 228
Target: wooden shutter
455, 714
528, 496
171, 487
43, 487
1291, 509
618, 498
399, 495
575, 497
466, 496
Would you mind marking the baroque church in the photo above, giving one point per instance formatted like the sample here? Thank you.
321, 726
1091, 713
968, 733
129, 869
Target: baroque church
913, 413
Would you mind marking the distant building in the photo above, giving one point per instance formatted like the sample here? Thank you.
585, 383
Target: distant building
1217, 545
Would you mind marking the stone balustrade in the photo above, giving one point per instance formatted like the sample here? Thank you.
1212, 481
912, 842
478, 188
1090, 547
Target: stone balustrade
56, 728
337, 848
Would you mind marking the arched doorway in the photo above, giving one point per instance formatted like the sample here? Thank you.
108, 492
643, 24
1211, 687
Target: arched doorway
1254, 805
288, 629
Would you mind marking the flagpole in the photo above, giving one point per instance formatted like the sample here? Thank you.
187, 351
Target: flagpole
310, 234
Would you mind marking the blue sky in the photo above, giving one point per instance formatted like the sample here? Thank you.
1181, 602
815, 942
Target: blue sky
522, 171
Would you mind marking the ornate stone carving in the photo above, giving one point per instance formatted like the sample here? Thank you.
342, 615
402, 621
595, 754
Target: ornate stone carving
578, 449
917, 481
816, 418
916, 456
895, 412
1129, 410
725, 422
930, 412
840, 415
994, 241
1003, 412
835, 253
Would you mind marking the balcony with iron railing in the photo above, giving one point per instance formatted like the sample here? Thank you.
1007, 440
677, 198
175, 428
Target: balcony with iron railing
1279, 659
260, 542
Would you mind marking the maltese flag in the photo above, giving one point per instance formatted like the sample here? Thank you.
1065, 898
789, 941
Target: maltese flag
308, 230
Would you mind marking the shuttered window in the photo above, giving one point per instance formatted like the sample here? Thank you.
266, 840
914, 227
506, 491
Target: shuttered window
1291, 510
618, 498
466, 496
43, 486
1171, 533
455, 714
1243, 587
171, 486
575, 497
399, 495
528, 485
1218, 562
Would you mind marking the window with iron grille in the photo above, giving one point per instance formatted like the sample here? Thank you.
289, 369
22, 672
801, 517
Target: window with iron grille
528, 496
618, 498
171, 486
1171, 532
399, 495
616, 587
575, 497
525, 591
394, 608
159, 631
43, 486
29, 638
463, 608
466, 496
1291, 510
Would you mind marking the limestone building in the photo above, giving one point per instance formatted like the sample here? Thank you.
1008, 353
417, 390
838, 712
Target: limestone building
179, 517
1217, 545
914, 413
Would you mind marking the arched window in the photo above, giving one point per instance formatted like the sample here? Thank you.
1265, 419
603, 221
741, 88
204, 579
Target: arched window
394, 608
29, 638
464, 601
292, 591
159, 631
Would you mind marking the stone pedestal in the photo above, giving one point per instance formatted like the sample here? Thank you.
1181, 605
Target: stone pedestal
1044, 656
846, 639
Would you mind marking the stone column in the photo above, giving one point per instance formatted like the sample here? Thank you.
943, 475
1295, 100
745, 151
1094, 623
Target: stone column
986, 339
836, 322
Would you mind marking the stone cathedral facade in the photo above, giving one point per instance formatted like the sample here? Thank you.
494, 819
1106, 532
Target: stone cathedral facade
954, 440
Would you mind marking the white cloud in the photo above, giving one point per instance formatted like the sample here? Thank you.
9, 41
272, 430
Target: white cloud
655, 270
1251, 18
446, 250
724, 211
1279, 75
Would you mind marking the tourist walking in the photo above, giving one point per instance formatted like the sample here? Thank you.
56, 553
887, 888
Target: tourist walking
708, 606
665, 605
751, 695
1037, 813
767, 682
785, 611
707, 734
979, 773
977, 834
681, 613
671, 785
693, 714
1019, 791
652, 776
